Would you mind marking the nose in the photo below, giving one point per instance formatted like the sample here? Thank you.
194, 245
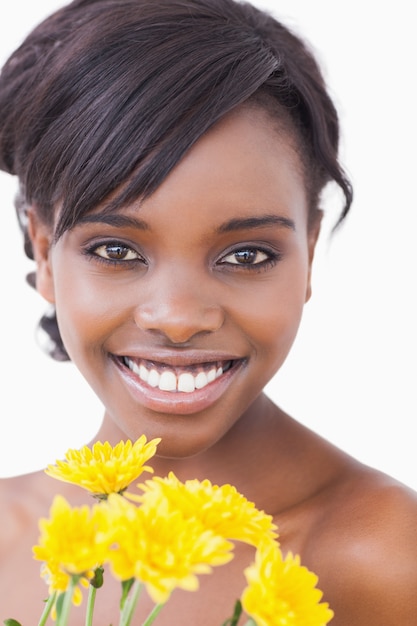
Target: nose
178, 308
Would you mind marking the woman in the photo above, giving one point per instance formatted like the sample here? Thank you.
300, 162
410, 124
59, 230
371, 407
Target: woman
171, 160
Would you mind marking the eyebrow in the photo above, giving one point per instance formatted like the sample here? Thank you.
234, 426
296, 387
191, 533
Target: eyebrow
117, 220
256, 222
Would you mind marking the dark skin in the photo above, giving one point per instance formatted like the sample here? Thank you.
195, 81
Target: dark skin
353, 526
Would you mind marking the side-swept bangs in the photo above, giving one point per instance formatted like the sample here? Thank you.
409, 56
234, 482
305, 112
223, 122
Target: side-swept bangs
119, 106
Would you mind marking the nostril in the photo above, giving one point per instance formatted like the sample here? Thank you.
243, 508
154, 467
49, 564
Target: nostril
179, 322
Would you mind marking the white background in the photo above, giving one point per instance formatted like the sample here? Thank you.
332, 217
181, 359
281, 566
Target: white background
352, 372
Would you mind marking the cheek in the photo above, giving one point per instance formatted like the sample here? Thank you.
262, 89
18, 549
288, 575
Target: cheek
271, 313
86, 310
275, 325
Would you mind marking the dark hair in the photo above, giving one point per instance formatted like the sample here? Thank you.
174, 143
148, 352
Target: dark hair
104, 97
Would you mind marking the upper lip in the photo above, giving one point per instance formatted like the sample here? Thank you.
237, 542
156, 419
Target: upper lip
179, 359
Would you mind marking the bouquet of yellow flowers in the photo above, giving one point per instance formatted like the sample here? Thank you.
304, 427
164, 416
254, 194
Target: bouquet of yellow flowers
162, 538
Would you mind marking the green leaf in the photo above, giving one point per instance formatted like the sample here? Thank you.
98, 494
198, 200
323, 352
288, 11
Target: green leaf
126, 587
11, 622
126, 614
232, 621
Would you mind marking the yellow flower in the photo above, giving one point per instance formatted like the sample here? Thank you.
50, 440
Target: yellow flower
103, 469
68, 546
159, 547
221, 509
281, 592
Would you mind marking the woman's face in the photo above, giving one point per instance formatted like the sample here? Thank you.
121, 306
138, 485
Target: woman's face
180, 308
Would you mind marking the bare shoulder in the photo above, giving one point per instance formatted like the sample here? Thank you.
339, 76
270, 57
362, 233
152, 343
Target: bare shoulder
22, 501
368, 532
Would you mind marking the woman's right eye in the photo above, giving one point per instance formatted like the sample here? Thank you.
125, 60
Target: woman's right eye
114, 252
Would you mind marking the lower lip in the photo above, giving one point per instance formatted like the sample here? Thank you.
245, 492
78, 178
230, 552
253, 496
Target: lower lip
177, 403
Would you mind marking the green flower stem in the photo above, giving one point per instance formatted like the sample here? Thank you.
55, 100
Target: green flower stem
47, 609
64, 611
90, 605
250, 622
149, 620
130, 604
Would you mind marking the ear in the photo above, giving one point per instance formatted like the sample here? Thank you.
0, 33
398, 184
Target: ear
312, 236
41, 237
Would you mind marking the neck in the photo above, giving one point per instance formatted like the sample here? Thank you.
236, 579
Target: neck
243, 457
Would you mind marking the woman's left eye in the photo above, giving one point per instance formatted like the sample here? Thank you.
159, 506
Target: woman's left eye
247, 257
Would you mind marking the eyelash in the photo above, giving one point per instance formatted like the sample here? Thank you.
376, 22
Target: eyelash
91, 253
273, 257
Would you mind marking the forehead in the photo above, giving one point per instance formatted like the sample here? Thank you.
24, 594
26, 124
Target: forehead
247, 160
246, 166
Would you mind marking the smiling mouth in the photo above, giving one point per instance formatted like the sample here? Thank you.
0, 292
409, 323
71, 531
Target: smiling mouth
184, 379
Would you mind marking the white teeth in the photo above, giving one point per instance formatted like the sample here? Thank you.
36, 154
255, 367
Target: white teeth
168, 380
132, 365
153, 378
143, 372
211, 375
200, 380
186, 382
